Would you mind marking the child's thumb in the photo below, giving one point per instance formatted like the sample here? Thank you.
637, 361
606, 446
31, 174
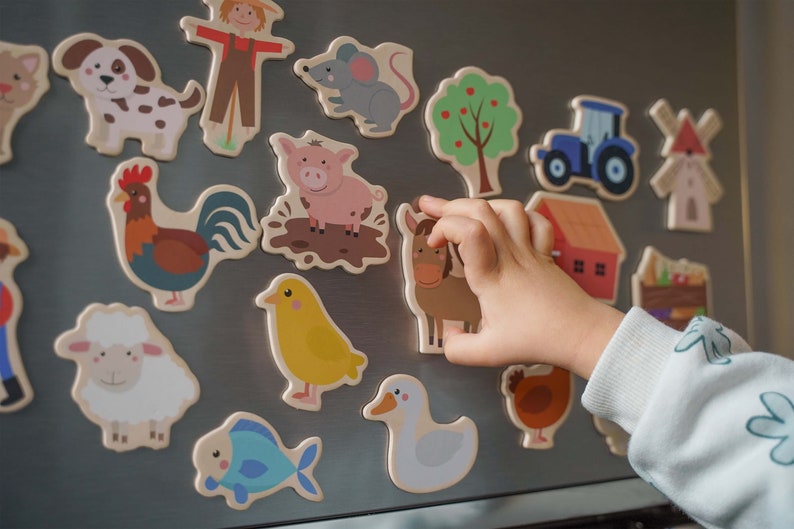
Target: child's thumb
465, 348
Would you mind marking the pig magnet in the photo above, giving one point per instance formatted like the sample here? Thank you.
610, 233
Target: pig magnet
245, 460
172, 254
124, 95
329, 216
374, 86
239, 34
311, 351
16, 390
23, 80
435, 288
129, 380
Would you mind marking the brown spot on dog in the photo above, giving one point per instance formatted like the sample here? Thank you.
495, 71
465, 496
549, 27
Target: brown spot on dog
160, 124
165, 102
145, 109
109, 118
141, 90
122, 104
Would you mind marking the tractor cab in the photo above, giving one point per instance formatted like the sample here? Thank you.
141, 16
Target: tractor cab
600, 123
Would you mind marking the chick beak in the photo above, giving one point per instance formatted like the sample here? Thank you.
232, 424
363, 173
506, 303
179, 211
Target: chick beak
387, 404
273, 299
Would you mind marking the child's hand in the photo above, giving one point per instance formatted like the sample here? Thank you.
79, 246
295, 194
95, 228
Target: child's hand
532, 311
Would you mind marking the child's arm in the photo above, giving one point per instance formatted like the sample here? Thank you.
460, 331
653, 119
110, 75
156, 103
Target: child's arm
532, 311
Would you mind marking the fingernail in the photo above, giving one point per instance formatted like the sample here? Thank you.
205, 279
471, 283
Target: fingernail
427, 198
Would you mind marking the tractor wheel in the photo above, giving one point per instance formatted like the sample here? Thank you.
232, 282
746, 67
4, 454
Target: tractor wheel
557, 167
615, 170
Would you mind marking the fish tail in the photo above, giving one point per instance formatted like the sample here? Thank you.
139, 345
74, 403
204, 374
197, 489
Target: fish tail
355, 361
309, 488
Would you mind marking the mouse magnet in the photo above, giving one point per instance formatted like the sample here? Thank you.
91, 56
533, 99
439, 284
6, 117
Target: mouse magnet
473, 121
374, 86
686, 177
245, 460
172, 254
329, 215
239, 35
423, 455
129, 380
672, 291
538, 399
310, 350
596, 152
435, 288
23, 80
124, 95
16, 391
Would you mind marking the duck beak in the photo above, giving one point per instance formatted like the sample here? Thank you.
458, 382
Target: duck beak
387, 404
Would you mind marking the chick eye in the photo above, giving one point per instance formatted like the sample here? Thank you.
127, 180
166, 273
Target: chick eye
102, 353
129, 353
397, 391
17, 77
287, 293
216, 453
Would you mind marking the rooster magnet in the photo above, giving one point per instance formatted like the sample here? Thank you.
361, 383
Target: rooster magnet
172, 254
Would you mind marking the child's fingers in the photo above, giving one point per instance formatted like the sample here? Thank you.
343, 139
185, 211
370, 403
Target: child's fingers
542, 233
479, 210
476, 246
432, 206
468, 349
514, 218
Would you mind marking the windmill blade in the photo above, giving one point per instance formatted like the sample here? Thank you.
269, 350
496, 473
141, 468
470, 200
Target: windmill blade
712, 186
709, 125
662, 114
664, 179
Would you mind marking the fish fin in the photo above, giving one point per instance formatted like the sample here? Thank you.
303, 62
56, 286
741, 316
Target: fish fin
307, 484
307, 457
251, 468
240, 494
210, 483
251, 426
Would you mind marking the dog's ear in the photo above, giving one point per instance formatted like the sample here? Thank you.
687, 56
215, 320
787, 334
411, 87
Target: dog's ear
143, 66
77, 52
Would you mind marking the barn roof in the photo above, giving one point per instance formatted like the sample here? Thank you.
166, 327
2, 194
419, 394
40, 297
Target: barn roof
584, 224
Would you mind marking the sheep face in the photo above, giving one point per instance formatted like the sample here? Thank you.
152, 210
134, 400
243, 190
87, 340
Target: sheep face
115, 368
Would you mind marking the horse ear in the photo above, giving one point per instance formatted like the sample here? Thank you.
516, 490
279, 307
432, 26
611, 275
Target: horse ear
410, 221
364, 68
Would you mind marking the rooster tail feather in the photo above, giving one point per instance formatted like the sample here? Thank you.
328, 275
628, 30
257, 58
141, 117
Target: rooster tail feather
226, 214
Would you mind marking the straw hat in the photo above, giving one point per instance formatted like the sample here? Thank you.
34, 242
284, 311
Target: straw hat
12, 250
257, 3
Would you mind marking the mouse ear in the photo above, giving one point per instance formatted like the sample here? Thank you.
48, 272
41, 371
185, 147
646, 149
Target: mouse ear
346, 51
364, 68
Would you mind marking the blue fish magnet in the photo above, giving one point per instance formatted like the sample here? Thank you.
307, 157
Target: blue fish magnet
244, 460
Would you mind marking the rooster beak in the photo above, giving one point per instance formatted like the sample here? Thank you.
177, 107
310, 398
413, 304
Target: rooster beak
121, 197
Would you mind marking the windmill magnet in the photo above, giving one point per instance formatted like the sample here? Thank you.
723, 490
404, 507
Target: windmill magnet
172, 254
686, 177
473, 121
596, 152
329, 216
239, 35
373, 86
16, 391
310, 350
23, 80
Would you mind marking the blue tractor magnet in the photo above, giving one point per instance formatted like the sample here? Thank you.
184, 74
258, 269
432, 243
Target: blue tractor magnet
597, 152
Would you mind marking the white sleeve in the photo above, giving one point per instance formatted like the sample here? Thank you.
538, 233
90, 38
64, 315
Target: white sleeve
711, 429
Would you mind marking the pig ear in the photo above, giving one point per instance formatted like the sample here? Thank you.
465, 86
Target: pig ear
80, 347
151, 349
287, 145
345, 154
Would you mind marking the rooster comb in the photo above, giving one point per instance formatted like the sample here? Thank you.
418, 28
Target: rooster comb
135, 174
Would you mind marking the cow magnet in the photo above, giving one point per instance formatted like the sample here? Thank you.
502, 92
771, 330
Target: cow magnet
435, 288
172, 254
245, 460
129, 380
538, 399
124, 95
239, 35
329, 216
310, 350
16, 391
23, 80
373, 86
473, 121
686, 177
596, 152
423, 455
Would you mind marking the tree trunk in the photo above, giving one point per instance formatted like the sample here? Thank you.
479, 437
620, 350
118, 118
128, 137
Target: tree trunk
485, 183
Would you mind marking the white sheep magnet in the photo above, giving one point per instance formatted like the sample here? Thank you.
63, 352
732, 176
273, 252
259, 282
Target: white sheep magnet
129, 381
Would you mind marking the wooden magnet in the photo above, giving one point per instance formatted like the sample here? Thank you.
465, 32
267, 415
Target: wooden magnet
538, 399
23, 80
239, 35
423, 455
672, 291
473, 121
686, 177
596, 152
329, 216
436, 290
586, 245
172, 254
16, 391
373, 86
124, 95
245, 460
130, 381
615, 437
310, 350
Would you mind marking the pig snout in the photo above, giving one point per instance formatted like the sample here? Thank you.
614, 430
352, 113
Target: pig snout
314, 178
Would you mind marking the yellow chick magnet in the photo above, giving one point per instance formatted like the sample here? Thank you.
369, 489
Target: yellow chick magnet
312, 353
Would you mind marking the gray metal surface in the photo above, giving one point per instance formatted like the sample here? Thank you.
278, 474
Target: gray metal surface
54, 471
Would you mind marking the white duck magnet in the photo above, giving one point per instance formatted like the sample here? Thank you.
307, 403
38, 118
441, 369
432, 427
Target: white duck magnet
423, 456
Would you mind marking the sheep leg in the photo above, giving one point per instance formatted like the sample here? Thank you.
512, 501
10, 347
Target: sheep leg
114, 428
123, 431
152, 429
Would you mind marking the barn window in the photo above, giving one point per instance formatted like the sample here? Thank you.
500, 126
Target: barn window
578, 266
601, 269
